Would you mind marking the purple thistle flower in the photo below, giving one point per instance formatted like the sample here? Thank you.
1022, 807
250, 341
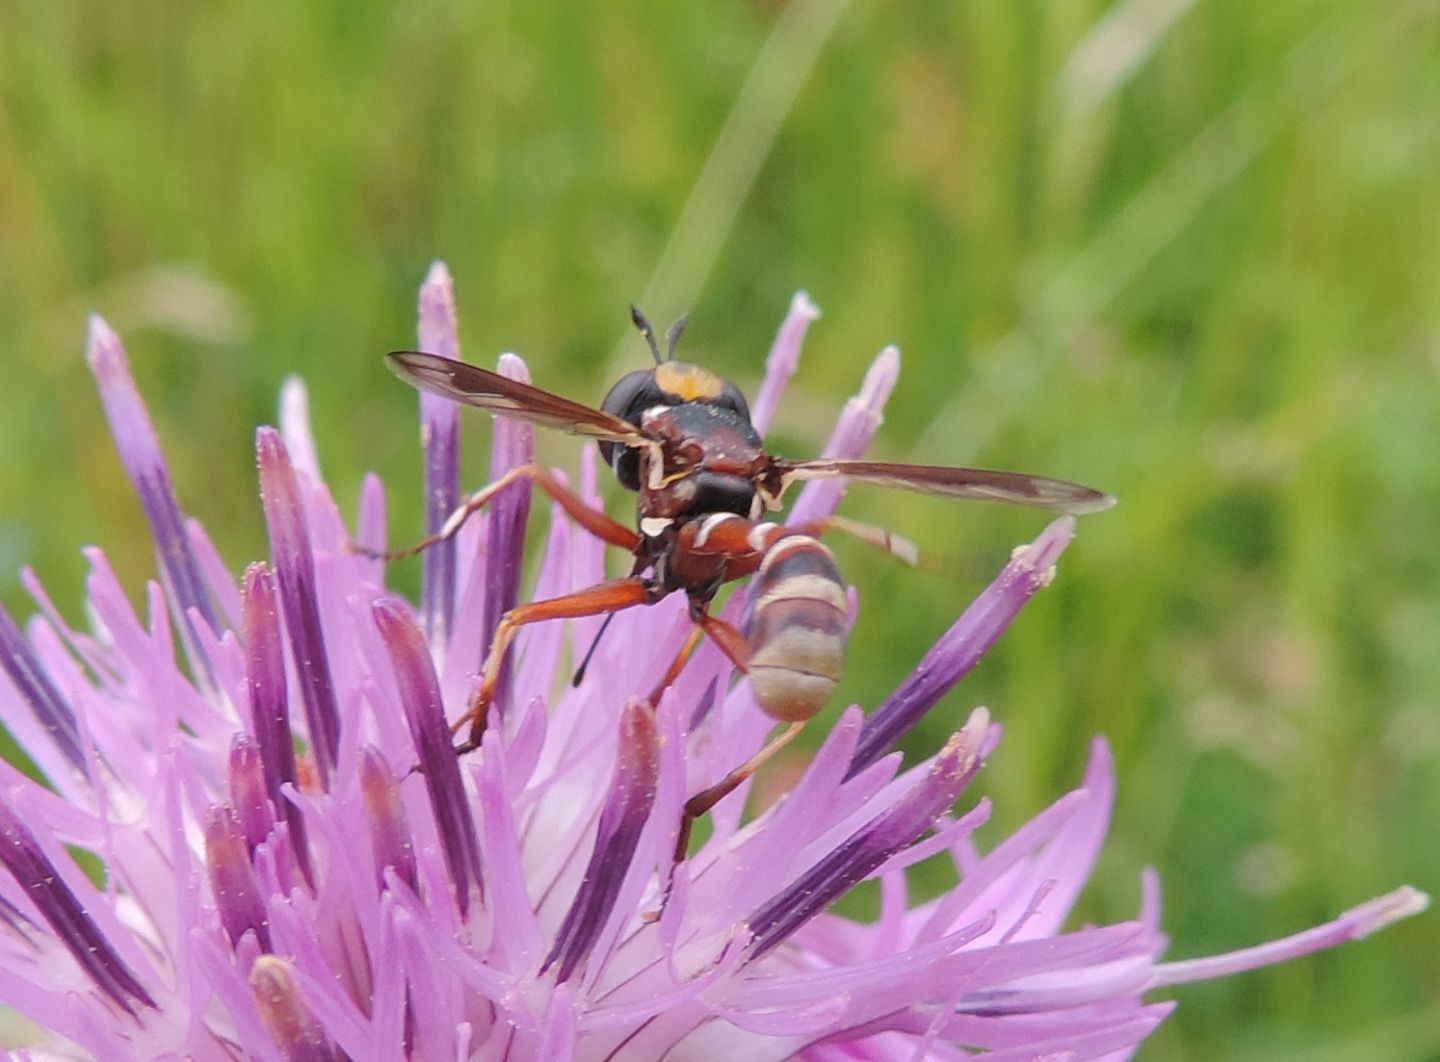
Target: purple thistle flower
285, 885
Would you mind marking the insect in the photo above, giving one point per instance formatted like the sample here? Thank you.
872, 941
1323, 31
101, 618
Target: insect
680, 437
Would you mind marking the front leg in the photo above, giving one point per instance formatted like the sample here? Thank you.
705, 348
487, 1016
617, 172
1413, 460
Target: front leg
599, 524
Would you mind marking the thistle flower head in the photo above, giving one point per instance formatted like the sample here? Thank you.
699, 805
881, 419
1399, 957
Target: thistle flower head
296, 865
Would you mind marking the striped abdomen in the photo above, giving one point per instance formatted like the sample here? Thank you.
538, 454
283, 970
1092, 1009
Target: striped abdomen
796, 629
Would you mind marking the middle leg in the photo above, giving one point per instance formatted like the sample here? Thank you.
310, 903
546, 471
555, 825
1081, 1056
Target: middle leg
612, 596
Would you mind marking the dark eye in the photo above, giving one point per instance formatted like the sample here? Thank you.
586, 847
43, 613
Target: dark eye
731, 398
632, 394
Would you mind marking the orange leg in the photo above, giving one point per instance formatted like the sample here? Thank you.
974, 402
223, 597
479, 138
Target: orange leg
730, 642
599, 524
606, 597
706, 799
735, 646
678, 664
887, 541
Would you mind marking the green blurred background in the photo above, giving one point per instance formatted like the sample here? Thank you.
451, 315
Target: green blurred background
1186, 251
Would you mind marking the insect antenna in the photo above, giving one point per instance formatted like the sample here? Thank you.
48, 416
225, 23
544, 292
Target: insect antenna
646, 331
676, 331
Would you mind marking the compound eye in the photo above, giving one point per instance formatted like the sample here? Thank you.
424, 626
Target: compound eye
732, 398
632, 394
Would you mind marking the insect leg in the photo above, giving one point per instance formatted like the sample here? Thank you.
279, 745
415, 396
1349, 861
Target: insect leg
730, 642
678, 664
881, 538
706, 799
598, 523
641, 563
612, 596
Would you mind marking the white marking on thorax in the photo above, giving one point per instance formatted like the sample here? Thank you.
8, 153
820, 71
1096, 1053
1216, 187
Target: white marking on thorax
709, 524
654, 526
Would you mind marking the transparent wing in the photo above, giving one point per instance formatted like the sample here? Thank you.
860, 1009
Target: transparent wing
1017, 488
475, 386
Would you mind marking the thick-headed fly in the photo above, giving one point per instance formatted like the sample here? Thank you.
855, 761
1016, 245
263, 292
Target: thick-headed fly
680, 437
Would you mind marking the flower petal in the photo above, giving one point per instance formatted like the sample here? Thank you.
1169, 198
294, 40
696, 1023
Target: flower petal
232, 878
858, 423
866, 850
139, 449
961, 647
385, 816
419, 696
269, 700
285, 1013
1354, 924
627, 808
39, 879
36, 688
294, 565
783, 358
438, 333
513, 445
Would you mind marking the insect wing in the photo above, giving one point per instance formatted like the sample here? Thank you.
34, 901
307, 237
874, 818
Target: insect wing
504, 397
1017, 488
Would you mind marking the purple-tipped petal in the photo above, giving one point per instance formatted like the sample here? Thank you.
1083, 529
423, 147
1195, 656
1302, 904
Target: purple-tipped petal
37, 689
285, 1013
513, 445
854, 860
783, 358
419, 692
269, 701
961, 647
42, 883
385, 816
247, 790
294, 565
232, 878
858, 423
140, 453
438, 333
627, 809
265, 676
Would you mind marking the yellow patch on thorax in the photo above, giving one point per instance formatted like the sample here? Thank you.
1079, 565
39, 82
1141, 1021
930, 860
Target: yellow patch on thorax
688, 382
